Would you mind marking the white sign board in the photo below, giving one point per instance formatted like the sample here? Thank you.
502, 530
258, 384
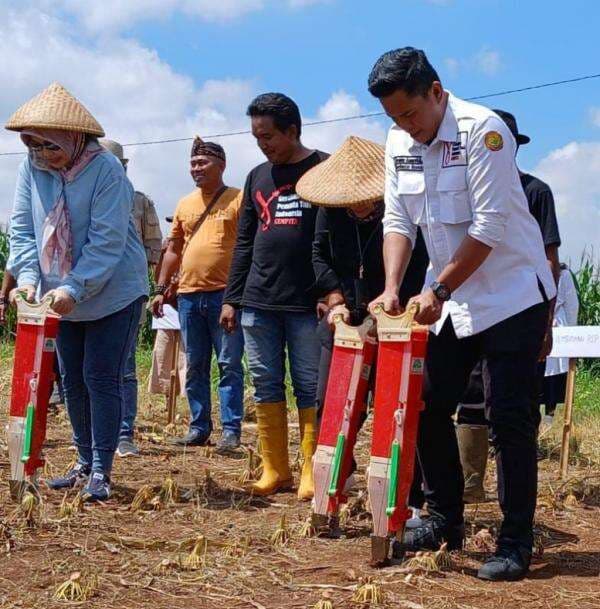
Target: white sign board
169, 321
576, 341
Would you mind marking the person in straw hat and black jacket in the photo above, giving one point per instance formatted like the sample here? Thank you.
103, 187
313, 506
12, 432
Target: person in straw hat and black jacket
348, 245
72, 236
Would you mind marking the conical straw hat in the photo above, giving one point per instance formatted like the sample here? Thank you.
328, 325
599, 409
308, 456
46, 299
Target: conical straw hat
353, 174
54, 108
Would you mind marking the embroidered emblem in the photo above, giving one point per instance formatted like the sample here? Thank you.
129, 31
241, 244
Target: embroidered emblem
455, 153
493, 141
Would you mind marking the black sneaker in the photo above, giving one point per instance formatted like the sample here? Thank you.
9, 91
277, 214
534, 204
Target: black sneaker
229, 442
76, 476
194, 437
97, 488
507, 564
429, 536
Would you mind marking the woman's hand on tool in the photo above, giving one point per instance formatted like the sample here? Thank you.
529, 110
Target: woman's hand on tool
228, 319
26, 290
339, 309
389, 300
430, 308
63, 303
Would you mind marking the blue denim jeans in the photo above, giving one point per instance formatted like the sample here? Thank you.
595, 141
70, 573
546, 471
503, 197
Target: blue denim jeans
92, 357
130, 394
201, 334
267, 334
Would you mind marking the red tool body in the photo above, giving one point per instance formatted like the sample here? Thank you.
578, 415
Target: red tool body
397, 404
32, 380
345, 402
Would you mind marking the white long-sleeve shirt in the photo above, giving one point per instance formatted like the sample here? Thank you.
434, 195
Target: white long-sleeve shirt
565, 314
466, 182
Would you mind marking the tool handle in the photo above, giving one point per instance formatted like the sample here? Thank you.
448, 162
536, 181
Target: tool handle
337, 464
28, 433
34, 311
393, 478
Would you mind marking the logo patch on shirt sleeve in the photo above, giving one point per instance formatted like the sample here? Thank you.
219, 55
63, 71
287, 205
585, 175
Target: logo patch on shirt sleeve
408, 163
493, 141
455, 153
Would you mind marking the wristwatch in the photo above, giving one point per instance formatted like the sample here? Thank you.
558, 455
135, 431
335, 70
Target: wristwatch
159, 290
441, 291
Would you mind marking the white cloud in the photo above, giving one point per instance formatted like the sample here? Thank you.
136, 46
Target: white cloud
572, 172
119, 14
452, 65
138, 97
488, 61
595, 116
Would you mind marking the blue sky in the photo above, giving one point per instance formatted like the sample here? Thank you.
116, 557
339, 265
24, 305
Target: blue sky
155, 69
309, 53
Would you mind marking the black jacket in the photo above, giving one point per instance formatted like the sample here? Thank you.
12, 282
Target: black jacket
339, 241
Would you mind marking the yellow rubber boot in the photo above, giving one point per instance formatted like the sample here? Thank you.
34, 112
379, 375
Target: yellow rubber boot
272, 425
307, 418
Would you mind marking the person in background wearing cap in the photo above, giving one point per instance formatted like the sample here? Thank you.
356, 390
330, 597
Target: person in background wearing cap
72, 235
450, 169
272, 280
347, 252
200, 249
472, 426
147, 226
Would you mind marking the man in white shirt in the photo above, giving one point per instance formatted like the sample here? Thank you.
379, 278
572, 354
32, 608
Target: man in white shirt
450, 170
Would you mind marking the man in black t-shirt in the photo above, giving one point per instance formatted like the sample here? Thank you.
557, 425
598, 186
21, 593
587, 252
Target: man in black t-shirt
272, 280
540, 200
472, 427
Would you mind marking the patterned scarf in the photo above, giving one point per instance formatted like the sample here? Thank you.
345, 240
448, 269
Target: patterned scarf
57, 239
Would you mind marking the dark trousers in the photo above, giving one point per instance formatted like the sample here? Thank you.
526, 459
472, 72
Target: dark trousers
416, 498
509, 352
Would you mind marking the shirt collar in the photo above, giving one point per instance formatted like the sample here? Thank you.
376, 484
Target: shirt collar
448, 128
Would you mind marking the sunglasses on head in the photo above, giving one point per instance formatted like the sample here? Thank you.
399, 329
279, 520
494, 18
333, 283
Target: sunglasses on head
45, 145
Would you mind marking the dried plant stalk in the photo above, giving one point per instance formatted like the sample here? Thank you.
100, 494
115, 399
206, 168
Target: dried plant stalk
281, 535
142, 498
197, 557
370, 593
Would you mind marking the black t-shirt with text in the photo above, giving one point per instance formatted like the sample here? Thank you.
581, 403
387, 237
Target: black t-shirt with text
541, 206
271, 267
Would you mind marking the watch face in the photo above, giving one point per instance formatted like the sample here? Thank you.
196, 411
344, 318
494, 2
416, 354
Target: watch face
441, 291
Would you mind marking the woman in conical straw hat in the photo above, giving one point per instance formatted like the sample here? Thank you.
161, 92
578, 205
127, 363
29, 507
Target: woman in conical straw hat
348, 244
72, 236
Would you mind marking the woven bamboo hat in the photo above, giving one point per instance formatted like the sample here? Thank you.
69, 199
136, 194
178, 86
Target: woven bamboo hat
352, 175
54, 108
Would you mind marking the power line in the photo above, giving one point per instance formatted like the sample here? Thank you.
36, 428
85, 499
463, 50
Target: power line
350, 118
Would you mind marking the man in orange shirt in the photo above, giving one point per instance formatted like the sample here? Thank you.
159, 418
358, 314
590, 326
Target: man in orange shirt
201, 246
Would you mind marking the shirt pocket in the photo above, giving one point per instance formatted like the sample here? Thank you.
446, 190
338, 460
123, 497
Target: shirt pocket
455, 204
410, 186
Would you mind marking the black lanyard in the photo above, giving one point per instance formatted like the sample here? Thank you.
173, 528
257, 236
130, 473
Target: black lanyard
362, 250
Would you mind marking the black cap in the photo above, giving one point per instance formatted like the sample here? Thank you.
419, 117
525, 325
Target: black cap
169, 218
511, 123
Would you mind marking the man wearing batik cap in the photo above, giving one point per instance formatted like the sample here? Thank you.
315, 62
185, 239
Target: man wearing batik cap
147, 227
201, 246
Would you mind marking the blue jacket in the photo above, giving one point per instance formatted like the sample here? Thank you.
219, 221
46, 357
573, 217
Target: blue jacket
109, 263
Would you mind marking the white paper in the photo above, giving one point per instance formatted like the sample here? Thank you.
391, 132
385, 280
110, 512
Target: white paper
576, 341
169, 321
